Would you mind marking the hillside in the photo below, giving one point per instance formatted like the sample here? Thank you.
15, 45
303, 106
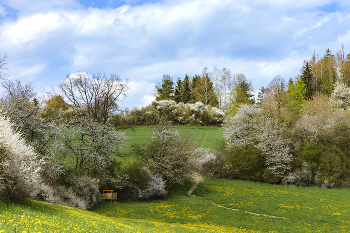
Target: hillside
218, 205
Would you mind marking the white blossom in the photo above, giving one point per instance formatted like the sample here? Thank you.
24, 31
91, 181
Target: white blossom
340, 97
19, 166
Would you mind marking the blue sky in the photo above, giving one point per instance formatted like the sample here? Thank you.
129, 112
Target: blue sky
142, 40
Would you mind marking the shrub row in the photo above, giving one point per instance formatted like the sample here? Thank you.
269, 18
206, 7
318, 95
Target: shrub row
169, 110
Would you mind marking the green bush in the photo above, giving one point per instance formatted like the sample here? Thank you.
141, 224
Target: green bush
246, 163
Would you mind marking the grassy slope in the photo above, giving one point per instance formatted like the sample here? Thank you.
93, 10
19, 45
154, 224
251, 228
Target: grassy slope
261, 207
305, 210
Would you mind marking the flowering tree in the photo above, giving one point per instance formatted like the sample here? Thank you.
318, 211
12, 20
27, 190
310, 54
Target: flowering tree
241, 129
92, 145
274, 147
168, 155
19, 166
340, 97
249, 127
23, 110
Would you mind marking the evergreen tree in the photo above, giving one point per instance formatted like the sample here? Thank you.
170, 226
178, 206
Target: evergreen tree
166, 92
203, 90
196, 88
212, 98
307, 78
178, 91
261, 95
186, 90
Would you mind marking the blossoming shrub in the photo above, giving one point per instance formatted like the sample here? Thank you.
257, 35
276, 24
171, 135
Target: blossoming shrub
169, 153
140, 184
169, 110
250, 128
300, 177
87, 189
19, 166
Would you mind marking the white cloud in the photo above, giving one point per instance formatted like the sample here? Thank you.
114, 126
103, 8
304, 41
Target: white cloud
27, 73
262, 39
148, 99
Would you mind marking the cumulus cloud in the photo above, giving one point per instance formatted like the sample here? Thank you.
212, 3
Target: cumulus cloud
142, 40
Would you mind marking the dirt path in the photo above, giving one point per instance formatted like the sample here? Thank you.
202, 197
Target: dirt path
197, 178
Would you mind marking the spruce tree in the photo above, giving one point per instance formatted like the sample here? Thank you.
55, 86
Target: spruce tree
306, 77
178, 91
166, 92
186, 90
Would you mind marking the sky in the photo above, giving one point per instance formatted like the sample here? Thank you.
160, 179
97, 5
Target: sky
141, 40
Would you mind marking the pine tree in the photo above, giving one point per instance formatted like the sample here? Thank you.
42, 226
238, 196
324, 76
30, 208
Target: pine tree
307, 78
186, 90
166, 92
178, 91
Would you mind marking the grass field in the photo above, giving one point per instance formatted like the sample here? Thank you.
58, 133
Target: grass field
203, 136
218, 206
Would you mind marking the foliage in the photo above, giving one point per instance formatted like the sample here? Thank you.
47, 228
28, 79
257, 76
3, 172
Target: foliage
241, 94
87, 189
340, 97
19, 166
300, 177
249, 127
244, 163
203, 90
140, 184
54, 106
166, 91
296, 95
186, 90
223, 80
23, 112
306, 78
324, 71
242, 128
169, 110
92, 145
168, 155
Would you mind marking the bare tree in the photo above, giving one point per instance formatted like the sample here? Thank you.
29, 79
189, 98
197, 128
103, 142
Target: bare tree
3, 66
223, 84
97, 94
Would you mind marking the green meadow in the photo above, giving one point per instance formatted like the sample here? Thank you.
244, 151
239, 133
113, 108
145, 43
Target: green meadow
218, 205
204, 136
207, 137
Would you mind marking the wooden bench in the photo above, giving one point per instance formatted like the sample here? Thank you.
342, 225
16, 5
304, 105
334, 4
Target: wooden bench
109, 195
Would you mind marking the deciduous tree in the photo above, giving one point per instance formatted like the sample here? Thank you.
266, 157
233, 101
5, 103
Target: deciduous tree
98, 94
240, 94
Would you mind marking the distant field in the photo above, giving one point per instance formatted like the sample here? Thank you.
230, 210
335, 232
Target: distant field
204, 136
219, 205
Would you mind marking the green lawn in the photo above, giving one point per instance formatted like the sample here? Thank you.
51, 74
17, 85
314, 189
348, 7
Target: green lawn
244, 207
204, 136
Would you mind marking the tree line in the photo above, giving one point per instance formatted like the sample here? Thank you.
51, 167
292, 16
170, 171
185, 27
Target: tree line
211, 88
293, 133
